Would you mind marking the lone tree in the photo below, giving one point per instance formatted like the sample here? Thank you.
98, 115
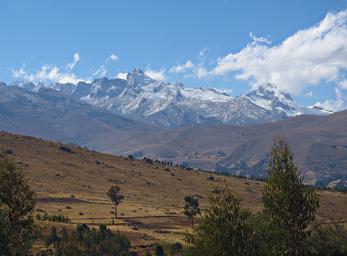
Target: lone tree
191, 207
224, 229
17, 202
116, 197
289, 205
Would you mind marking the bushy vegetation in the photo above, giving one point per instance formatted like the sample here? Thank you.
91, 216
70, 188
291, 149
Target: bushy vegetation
327, 240
285, 227
53, 217
17, 202
289, 205
85, 241
191, 207
114, 194
224, 229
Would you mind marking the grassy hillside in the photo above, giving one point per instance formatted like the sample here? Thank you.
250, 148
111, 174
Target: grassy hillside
75, 184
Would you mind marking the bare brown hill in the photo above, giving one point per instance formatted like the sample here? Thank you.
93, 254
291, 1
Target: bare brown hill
319, 143
73, 181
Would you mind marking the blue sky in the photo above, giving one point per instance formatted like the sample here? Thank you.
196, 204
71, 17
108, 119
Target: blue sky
233, 45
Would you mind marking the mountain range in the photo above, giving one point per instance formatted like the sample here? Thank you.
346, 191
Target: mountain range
162, 104
49, 114
196, 127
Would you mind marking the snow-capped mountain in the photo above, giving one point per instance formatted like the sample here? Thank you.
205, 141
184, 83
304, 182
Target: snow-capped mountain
171, 104
270, 98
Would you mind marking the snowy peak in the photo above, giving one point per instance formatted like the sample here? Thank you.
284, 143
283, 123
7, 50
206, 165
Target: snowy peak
270, 91
271, 98
30, 86
143, 98
138, 78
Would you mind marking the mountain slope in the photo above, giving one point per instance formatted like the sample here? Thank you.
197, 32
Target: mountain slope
142, 98
50, 114
74, 183
319, 143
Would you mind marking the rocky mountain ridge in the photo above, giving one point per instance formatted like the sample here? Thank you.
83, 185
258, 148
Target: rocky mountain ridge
162, 104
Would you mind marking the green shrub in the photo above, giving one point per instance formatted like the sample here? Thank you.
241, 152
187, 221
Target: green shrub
54, 218
328, 240
87, 241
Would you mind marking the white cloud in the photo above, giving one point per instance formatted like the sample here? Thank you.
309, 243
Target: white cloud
46, 73
21, 73
122, 76
55, 74
49, 73
310, 56
202, 53
113, 57
259, 39
102, 70
76, 59
309, 94
333, 105
156, 74
182, 68
198, 70
201, 72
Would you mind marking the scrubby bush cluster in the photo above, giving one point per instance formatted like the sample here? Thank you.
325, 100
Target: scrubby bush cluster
85, 241
53, 217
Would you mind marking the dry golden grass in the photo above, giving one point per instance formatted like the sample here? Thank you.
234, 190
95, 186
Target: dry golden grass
75, 184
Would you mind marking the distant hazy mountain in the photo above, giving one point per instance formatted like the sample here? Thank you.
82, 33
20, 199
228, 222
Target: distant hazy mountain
142, 98
53, 115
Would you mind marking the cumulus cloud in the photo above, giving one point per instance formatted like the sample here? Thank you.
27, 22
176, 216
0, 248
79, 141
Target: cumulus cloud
49, 73
46, 73
310, 56
76, 59
182, 68
197, 70
156, 74
333, 105
64, 74
21, 73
